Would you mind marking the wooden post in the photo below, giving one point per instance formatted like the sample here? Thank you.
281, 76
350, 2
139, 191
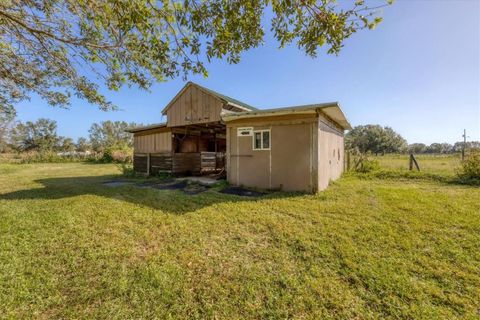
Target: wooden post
416, 163
148, 164
348, 161
464, 143
215, 143
413, 161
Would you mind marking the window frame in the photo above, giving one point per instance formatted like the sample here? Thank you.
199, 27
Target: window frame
261, 139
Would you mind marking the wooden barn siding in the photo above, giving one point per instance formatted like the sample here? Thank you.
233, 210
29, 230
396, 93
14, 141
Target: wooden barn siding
152, 143
194, 106
211, 161
186, 163
140, 163
160, 163
179, 163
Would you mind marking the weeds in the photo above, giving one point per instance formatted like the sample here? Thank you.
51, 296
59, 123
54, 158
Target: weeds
470, 167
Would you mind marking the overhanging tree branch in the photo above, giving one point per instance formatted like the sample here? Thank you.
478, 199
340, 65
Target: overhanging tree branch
52, 48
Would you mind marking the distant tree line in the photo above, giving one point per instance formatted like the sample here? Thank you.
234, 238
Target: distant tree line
442, 147
42, 136
108, 137
377, 140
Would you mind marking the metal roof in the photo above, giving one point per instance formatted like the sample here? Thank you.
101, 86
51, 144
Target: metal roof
227, 98
331, 109
149, 127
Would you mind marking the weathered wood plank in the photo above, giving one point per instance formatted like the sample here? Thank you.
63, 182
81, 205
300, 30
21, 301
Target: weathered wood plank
140, 163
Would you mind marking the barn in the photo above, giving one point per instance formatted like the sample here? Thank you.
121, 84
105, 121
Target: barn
298, 148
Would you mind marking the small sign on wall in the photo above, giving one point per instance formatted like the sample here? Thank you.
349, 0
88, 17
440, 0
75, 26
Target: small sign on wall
245, 132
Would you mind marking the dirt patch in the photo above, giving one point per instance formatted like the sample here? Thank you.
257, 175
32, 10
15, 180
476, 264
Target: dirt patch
238, 191
170, 186
155, 183
184, 185
194, 188
117, 183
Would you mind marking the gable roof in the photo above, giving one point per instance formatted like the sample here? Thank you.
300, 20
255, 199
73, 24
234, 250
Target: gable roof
228, 99
331, 109
224, 98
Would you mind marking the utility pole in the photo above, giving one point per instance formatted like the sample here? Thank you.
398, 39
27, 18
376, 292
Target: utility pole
464, 143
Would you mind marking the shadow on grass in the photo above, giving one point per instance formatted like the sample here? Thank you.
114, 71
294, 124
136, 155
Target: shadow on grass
171, 201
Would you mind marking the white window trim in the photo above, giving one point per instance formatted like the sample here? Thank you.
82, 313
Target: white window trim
261, 135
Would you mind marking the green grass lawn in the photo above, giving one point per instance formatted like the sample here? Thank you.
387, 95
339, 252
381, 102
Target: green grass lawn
367, 248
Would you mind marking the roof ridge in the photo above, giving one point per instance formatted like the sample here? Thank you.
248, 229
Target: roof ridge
308, 105
225, 97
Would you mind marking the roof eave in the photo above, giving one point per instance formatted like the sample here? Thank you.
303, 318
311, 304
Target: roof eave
343, 122
256, 114
310, 109
179, 93
238, 106
144, 128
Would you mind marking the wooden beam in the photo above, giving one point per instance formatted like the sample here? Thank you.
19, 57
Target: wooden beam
148, 164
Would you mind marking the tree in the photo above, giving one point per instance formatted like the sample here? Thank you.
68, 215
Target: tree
40, 135
375, 139
446, 147
473, 144
6, 122
66, 144
439, 148
110, 134
458, 146
52, 48
83, 145
417, 148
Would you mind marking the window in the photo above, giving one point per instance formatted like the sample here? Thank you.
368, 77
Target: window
261, 140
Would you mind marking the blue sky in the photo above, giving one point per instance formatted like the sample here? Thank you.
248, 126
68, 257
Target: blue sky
418, 72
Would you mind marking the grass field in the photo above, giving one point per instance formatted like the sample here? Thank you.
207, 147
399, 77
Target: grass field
367, 248
444, 165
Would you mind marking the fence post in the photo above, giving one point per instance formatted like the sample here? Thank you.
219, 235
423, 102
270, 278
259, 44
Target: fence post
148, 164
348, 161
413, 161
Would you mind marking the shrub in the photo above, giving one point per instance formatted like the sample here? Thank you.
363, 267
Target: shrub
44, 157
127, 169
123, 156
116, 155
470, 169
162, 175
9, 158
365, 165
